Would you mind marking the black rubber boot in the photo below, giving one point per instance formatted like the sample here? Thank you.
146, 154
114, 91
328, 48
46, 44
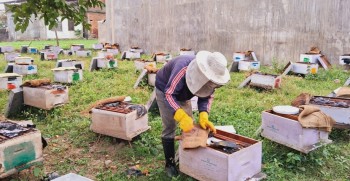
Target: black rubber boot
169, 153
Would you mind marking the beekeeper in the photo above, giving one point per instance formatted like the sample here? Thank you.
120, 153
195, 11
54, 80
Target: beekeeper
177, 82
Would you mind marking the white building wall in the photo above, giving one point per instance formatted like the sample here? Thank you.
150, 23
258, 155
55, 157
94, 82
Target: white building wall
64, 34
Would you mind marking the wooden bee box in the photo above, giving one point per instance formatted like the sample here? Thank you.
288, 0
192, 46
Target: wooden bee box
266, 81
24, 60
304, 68
25, 69
45, 97
119, 125
20, 152
10, 81
67, 74
209, 164
105, 63
83, 53
10, 57
286, 130
246, 65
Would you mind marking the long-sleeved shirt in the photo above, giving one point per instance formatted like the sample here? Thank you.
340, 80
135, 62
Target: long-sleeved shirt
171, 80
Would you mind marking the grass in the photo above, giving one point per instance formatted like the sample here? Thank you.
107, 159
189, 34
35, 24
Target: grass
74, 148
65, 44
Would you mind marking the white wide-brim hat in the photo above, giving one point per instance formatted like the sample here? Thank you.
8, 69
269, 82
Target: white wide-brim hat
207, 67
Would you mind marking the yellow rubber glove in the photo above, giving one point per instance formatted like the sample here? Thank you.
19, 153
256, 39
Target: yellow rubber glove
185, 121
205, 123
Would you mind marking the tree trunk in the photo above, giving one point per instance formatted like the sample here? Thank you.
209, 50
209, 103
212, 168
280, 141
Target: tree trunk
58, 44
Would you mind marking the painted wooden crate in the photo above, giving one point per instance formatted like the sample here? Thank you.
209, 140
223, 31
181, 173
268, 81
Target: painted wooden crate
266, 81
245, 65
97, 46
305, 68
48, 55
341, 115
83, 53
45, 97
206, 163
309, 58
286, 130
25, 69
131, 55
24, 60
10, 57
20, 152
67, 74
119, 125
105, 63
10, 81
113, 51
6, 49
70, 63
105, 54
76, 47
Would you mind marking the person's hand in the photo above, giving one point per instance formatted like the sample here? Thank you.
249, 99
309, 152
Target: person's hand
205, 123
184, 120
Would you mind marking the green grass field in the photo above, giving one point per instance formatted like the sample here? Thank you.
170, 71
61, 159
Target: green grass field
74, 148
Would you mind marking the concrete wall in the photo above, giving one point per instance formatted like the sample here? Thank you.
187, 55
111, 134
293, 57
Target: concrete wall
274, 29
65, 33
36, 30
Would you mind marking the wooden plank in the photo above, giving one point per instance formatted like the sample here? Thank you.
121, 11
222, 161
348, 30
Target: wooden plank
347, 83
152, 101
324, 62
245, 82
287, 68
142, 75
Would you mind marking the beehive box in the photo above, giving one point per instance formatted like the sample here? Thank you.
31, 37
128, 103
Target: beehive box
83, 53
309, 58
97, 46
238, 56
130, 55
152, 79
105, 54
25, 69
266, 81
119, 125
6, 49
32, 50
76, 47
245, 65
45, 97
206, 163
305, 68
24, 60
137, 50
10, 57
48, 55
71, 63
105, 63
190, 52
10, 81
20, 152
67, 74
140, 65
286, 130
341, 115
56, 49
344, 59
113, 51
163, 58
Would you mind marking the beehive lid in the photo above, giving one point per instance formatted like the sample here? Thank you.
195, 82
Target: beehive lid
64, 68
3, 75
19, 58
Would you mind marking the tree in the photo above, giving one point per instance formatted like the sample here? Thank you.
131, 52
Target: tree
52, 11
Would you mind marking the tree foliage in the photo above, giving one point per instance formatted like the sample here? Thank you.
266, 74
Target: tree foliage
52, 12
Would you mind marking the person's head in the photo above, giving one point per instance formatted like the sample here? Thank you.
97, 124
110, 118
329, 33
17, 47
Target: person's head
206, 73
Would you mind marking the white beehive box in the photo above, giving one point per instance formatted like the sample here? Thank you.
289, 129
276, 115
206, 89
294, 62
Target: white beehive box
32, 50
344, 59
20, 152
24, 60
246, 65
163, 58
4, 49
309, 58
10, 81
238, 56
105, 54
119, 125
289, 132
76, 47
68, 52
105, 63
72, 63
152, 79
10, 57
191, 52
67, 74
113, 51
140, 65
267, 81
305, 68
25, 69
208, 164
83, 53
45, 97
97, 46
56, 49
49, 55
137, 50
131, 55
